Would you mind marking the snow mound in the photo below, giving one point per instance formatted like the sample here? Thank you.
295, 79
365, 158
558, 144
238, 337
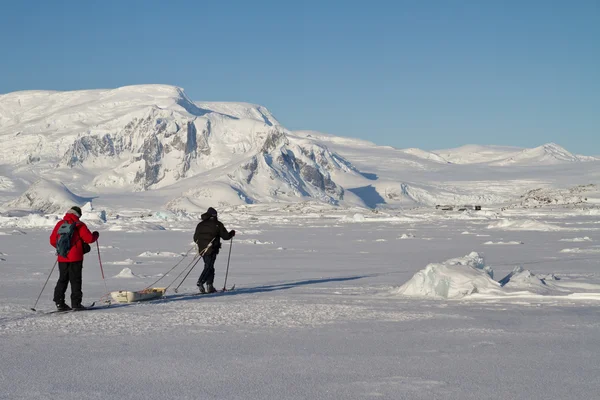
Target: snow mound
47, 196
512, 242
590, 250
127, 261
125, 273
577, 239
524, 281
158, 254
458, 278
354, 218
523, 225
252, 241
452, 279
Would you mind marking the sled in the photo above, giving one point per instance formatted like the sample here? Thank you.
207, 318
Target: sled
125, 296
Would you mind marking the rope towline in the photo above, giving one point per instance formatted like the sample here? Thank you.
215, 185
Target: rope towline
175, 266
200, 255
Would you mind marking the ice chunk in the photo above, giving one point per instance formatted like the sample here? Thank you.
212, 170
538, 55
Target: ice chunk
452, 279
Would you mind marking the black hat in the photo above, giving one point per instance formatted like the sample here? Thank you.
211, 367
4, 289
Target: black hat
77, 210
211, 212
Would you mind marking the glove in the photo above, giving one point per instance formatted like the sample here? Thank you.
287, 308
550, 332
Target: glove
86, 247
232, 233
96, 235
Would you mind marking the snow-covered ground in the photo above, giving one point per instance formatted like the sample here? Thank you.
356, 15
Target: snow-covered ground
318, 311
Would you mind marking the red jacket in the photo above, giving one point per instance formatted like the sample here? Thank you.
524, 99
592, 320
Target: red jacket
81, 233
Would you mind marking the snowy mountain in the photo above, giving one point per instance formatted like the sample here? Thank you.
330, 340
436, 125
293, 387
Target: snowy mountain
473, 154
149, 137
549, 153
47, 196
240, 111
152, 146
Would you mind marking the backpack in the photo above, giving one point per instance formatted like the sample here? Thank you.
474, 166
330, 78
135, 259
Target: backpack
65, 234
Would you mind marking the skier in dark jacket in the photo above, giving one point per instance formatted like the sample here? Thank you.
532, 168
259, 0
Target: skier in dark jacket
208, 235
70, 267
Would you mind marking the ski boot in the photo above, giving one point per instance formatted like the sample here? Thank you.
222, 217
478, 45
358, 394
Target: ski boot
201, 288
63, 307
210, 288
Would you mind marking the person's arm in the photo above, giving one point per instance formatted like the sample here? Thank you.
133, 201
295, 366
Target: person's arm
86, 235
196, 234
53, 238
225, 235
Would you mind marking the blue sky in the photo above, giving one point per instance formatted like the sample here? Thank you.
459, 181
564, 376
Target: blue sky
427, 74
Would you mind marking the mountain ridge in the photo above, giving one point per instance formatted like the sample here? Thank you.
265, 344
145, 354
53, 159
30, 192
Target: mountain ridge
154, 137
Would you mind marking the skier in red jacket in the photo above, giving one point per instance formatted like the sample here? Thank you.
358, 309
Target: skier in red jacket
70, 267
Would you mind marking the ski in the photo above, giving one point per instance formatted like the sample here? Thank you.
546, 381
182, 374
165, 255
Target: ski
87, 308
217, 292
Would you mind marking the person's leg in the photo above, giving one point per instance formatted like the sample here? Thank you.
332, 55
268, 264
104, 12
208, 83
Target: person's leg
75, 276
61, 284
211, 273
205, 274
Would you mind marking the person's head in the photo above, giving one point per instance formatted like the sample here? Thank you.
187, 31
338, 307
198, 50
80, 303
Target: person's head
211, 212
75, 210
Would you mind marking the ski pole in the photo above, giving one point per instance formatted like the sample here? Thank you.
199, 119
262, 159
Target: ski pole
200, 255
102, 270
186, 275
227, 271
181, 273
44, 287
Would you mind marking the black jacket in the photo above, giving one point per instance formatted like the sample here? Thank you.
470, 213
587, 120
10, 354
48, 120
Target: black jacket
208, 229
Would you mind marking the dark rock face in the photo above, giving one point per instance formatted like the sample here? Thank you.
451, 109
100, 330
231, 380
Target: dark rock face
152, 151
297, 169
88, 146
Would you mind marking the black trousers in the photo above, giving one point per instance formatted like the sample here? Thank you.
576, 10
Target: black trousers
208, 274
69, 272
